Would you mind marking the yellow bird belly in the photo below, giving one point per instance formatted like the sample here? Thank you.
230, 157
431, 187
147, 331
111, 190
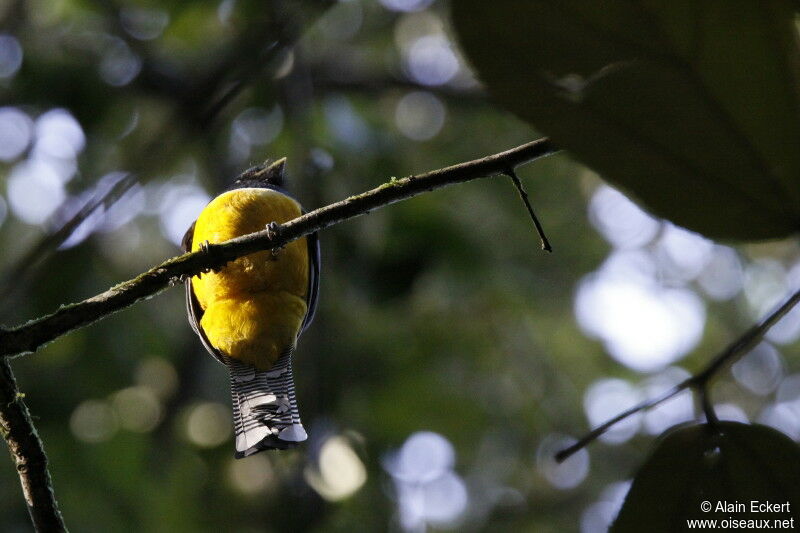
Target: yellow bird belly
254, 307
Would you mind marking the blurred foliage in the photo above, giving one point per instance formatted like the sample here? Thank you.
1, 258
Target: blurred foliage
437, 315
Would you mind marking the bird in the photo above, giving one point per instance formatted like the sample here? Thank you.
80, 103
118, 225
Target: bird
250, 313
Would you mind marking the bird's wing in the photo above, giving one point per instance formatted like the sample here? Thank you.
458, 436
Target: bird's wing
313, 279
193, 309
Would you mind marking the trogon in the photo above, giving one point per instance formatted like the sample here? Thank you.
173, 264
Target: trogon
250, 313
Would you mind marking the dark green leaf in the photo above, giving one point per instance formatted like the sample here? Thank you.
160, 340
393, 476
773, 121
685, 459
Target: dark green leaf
726, 467
693, 107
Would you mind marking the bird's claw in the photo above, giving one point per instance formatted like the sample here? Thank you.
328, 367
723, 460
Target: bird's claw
272, 231
205, 248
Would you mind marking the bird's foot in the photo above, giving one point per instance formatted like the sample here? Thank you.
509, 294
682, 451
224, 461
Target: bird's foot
205, 248
272, 231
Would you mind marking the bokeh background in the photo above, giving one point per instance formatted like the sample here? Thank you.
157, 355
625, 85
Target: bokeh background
450, 357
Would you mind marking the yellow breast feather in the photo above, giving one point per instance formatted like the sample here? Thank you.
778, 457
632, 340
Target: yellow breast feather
253, 307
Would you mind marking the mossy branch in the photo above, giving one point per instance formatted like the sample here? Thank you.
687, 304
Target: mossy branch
28, 455
31, 336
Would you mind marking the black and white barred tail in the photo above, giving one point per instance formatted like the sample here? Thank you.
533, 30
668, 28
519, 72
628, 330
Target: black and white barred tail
265, 414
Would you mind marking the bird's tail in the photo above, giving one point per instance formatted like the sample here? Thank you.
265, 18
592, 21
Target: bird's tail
265, 414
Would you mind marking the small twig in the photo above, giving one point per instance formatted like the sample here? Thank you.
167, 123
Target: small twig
30, 336
599, 430
747, 341
524, 196
700, 381
708, 407
28, 454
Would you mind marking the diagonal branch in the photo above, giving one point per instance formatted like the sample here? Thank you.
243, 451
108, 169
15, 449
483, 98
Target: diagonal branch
32, 335
28, 454
242, 66
738, 348
524, 197
20, 273
590, 437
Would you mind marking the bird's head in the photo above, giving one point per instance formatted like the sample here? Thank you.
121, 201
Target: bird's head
269, 173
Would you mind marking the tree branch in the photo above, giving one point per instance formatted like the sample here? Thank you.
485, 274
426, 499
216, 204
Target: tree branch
28, 454
32, 335
738, 348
